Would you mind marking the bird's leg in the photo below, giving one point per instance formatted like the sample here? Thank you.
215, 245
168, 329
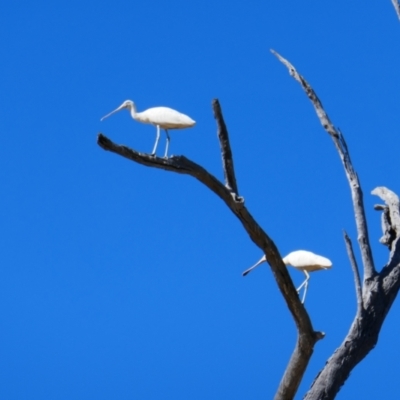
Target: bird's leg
167, 145
157, 139
304, 293
305, 284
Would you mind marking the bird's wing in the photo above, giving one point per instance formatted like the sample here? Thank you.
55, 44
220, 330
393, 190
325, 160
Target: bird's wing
166, 118
307, 260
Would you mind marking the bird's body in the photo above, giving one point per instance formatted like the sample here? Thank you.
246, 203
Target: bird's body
161, 117
306, 261
302, 260
164, 117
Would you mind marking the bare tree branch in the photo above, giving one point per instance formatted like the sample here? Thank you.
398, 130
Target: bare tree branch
378, 295
341, 146
356, 272
227, 160
307, 337
182, 165
396, 5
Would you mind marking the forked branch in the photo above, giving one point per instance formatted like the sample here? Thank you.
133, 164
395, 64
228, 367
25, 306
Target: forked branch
307, 337
379, 290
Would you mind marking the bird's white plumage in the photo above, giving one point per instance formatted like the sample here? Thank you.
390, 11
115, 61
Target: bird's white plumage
307, 261
161, 117
302, 260
165, 117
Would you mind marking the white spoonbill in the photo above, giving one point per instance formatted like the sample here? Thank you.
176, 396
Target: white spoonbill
302, 260
161, 117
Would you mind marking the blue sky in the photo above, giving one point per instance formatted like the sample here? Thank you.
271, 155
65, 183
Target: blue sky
124, 282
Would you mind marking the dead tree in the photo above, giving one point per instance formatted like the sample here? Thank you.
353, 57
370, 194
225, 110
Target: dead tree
375, 292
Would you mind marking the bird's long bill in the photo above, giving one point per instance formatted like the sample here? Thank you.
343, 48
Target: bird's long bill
112, 112
263, 259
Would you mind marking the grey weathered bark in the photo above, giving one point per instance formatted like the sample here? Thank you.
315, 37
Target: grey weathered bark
356, 271
388, 232
396, 5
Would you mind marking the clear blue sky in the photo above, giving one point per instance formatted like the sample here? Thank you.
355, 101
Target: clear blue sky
124, 282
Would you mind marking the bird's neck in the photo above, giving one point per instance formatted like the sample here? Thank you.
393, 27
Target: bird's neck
132, 110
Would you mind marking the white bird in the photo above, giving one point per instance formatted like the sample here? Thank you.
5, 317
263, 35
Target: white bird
161, 117
302, 260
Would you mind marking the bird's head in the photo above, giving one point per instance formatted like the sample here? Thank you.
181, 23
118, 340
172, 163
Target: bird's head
263, 259
128, 104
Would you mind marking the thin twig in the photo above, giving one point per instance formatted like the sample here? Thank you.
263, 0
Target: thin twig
396, 5
356, 272
341, 146
227, 159
307, 337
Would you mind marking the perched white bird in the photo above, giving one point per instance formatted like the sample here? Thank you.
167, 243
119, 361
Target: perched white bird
161, 117
302, 260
